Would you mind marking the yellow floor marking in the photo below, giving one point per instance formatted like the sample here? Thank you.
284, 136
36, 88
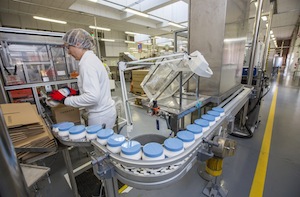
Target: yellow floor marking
258, 183
122, 188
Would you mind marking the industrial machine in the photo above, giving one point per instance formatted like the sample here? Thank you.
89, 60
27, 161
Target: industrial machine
165, 86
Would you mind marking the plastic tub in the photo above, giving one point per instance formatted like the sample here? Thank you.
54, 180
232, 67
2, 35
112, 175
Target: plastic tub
153, 151
63, 129
186, 137
55, 127
131, 150
215, 114
114, 143
103, 135
195, 129
211, 119
220, 110
203, 123
173, 147
91, 131
77, 133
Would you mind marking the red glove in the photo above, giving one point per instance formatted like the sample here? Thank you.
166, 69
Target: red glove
60, 95
72, 91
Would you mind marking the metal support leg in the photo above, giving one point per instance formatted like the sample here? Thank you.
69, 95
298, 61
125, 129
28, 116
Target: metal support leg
69, 166
111, 187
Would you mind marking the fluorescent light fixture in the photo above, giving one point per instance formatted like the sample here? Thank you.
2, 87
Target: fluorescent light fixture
99, 28
267, 25
93, 0
49, 20
132, 48
131, 42
176, 25
235, 39
132, 33
272, 36
271, 32
157, 37
107, 40
264, 18
146, 43
136, 12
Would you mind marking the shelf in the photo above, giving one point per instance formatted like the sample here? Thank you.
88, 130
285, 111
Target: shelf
15, 87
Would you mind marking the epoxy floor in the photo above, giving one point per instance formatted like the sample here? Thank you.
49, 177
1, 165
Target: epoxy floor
283, 174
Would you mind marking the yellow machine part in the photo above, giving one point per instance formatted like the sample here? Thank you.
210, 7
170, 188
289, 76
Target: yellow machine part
214, 166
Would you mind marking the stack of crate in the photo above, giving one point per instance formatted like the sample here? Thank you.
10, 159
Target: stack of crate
137, 78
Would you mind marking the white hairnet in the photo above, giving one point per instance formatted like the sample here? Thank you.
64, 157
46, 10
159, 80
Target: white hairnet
79, 38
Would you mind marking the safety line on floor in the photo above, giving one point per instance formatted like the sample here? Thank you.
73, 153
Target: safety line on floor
122, 188
258, 183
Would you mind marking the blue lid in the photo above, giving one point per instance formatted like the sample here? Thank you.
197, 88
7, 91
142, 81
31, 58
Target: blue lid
116, 140
65, 126
185, 136
173, 144
130, 147
196, 129
77, 129
218, 109
57, 125
213, 113
153, 149
207, 117
105, 133
202, 122
93, 129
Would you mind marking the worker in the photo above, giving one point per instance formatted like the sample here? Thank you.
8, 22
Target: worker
93, 81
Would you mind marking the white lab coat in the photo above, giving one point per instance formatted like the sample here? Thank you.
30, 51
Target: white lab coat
95, 95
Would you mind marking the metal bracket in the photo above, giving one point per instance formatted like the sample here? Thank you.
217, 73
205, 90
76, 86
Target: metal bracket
103, 167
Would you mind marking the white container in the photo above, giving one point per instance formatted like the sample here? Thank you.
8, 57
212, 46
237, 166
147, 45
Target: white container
195, 129
131, 150
63, 130
209, 118
103, 135
55, 127
215, 114
153, 151
115, 142
203, 123
173, 147
91, 132
77, 133
187, 138
220, 110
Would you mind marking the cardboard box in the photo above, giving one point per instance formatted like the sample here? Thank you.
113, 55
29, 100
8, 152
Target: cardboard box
63, 113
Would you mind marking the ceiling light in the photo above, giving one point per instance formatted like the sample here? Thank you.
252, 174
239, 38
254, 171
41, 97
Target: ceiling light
267, 25
131, 42
99, 28
93, 0
264, 18
107, 40
49, 20
272, 35
136, 12
157, 37
176, 25
129, 32
271, 32
256, 4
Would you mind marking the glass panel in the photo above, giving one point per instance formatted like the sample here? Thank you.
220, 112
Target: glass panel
59, 62
14, 75
27, 53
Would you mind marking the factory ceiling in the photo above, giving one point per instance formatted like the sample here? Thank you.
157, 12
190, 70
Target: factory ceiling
112, 14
